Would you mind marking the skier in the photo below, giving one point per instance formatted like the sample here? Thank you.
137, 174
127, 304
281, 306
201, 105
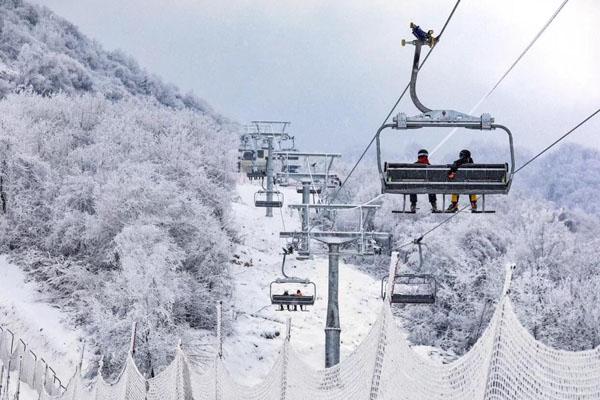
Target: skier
464, 157
299, 294
423, 158
285, 293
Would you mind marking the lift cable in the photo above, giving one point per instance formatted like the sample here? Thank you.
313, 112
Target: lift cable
489, 93
592, 115
395, 105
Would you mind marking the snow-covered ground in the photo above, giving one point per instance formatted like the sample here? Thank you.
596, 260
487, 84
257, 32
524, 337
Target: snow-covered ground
42, 327
36, 322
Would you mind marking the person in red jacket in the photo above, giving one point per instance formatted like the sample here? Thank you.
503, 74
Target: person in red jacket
423, 158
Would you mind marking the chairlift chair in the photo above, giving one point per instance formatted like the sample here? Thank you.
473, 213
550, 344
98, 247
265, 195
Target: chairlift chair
256, 174
286, 295
261, 199
313, 189
333, 182
411, 289
408, 178
290, 285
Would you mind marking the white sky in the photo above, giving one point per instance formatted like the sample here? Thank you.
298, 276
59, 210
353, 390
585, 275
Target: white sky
334, 68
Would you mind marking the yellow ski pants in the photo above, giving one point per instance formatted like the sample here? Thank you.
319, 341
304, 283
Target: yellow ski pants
454, 198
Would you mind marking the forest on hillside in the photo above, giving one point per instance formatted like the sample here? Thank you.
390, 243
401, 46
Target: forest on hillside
120, 210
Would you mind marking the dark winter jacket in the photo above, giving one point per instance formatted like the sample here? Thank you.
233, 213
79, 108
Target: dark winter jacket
461, 161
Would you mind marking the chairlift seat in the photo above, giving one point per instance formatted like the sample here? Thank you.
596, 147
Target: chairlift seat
413, 298
256, 174
405, 178
266, 204
260, 199
312, 189
280, 299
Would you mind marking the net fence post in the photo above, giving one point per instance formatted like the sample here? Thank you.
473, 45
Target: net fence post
9, 363
382, 340
1, 380
220, 329
379, 356
218, 359
497, 339
285, 358
132, 339
18, 392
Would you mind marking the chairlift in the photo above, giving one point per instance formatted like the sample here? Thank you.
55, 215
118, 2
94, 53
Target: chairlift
256, 174
291, 291
312, 189
474, 178
333, 182
261, 199
412, 288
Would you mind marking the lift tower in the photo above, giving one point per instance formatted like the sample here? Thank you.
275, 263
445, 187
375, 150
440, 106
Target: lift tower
367, 243
266, 135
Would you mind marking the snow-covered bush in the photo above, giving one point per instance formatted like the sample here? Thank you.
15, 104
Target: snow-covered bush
121, 210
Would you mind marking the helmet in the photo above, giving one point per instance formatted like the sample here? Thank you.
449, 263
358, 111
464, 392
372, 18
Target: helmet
464, 154
423, 153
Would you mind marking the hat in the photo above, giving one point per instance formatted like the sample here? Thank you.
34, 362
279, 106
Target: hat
423, 152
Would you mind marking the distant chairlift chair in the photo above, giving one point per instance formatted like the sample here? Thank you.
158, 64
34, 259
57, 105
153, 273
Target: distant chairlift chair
261, 199
313, 189
411, 289
290, 284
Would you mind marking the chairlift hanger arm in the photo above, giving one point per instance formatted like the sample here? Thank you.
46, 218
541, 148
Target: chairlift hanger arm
378, 148
413, 78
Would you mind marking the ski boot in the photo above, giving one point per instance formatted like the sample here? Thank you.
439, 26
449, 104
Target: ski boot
413, 208
473, 206
452, 208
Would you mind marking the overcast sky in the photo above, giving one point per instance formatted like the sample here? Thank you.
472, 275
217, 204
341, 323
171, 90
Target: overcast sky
334, 68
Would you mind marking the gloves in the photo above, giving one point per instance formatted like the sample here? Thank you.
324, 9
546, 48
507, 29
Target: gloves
451, 175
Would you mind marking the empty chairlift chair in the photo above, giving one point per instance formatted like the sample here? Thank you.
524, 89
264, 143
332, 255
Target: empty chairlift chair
411, 289
261, 199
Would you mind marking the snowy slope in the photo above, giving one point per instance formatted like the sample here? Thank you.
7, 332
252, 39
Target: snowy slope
250, 351
42, 327
248, 355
